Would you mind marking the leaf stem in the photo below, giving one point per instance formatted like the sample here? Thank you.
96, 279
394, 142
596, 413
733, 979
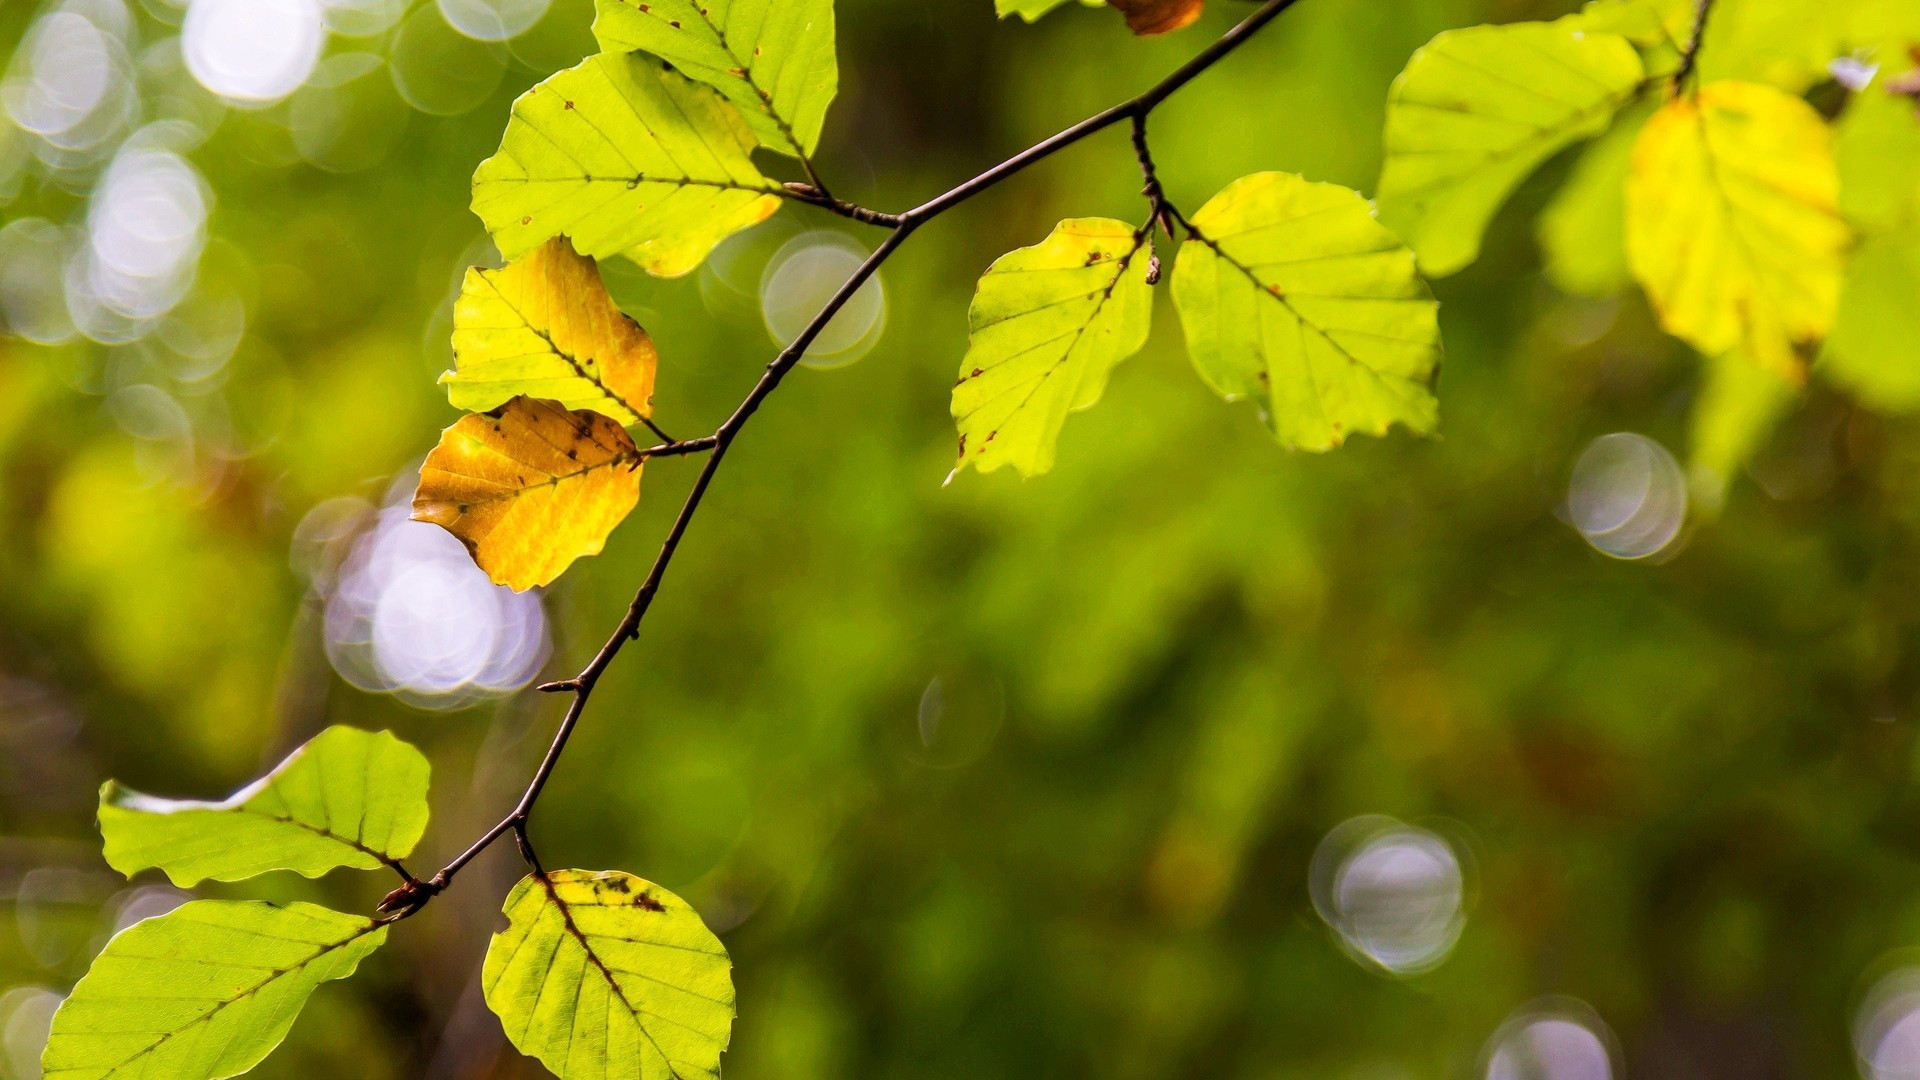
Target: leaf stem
903, 226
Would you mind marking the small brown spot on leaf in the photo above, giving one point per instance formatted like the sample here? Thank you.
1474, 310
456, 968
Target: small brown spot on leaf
528, 220
975, 373
649, 903
675, 23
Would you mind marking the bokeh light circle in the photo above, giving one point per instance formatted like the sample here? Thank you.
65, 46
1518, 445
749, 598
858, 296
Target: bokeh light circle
252, 50
799, 280
1395, 893
1627, 496
440, 71
1886, 1029
408, 613
1551, 1039
362, 18
493, 20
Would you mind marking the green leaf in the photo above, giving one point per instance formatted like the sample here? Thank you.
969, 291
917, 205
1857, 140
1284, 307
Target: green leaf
1739, 405
202, 992
1049, 323
1476, 111
1032, 10
1876, 148
543, 326
772, 58
1871, 350
1294, 296
1582, 230
604, 975
627, 159
1658, 28
347, 798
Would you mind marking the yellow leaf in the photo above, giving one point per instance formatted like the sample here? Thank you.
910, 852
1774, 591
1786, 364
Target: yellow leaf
1731, 222
529, 487
544, 327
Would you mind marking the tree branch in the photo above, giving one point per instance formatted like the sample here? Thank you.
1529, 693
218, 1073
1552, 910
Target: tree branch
903, 226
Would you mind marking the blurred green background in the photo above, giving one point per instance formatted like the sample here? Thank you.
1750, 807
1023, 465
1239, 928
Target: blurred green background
999, 778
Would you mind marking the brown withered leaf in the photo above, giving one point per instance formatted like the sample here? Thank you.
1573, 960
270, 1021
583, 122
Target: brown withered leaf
1146, 17
530, 487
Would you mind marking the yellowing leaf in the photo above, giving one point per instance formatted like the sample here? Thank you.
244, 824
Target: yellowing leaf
772, 58
1159, 16
1479, 109
544, 327
627, 159
347, 798
1731, 222
530, 487
203, 992
1294, 296
605, 976
1049, 323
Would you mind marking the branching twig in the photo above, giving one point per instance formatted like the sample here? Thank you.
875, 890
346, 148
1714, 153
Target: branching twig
902, 226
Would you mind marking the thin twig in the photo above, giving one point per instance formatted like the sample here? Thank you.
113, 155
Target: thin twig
902, 226
1691, 56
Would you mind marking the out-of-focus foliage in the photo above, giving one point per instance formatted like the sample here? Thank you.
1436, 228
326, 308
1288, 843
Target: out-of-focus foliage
1003, 778
1476, 111
1732, 222
606, 975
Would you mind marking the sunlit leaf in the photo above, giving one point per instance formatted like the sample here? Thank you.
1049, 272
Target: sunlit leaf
1731, 222
772, 58
1876, 148
1049, 323
1159, 16
1582, 229
1875, 347
1031, 10
1476, 111
530, 487
1658, 28
204, 991
603, 975
347, 798
1739, 405
545, 327
1295, 297
627, 159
